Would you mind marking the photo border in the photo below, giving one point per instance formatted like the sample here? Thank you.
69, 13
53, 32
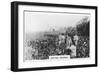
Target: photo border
14, 35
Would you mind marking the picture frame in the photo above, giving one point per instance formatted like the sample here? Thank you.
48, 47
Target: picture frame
60, 23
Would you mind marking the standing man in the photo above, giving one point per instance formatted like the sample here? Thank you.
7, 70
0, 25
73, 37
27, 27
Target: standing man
76, 38
68, 41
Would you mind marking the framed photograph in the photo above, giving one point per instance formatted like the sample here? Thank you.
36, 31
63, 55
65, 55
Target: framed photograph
52, 36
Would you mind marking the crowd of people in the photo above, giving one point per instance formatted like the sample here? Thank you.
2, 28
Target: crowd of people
54, 45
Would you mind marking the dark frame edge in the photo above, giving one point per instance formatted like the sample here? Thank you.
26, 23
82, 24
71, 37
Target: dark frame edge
96, 36
54, 5
55, 67
14, 36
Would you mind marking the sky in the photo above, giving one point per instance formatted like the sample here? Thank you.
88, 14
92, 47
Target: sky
45, 21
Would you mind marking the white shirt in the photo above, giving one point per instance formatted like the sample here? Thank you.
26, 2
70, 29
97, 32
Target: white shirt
73, 49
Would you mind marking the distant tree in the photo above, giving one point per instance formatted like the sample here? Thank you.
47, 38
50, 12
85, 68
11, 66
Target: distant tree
71, 31
83, 27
